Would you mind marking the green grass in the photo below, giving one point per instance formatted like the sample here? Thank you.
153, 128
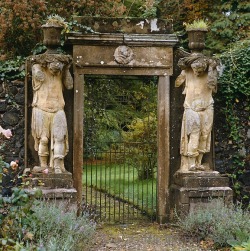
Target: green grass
121, 181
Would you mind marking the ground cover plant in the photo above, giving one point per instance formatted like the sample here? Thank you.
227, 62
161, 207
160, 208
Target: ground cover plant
30, 224
222, 224
59, 229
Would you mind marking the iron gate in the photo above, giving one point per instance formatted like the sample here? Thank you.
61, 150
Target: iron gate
120, 148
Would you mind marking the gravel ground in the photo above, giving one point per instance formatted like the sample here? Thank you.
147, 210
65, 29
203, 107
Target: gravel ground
146, 237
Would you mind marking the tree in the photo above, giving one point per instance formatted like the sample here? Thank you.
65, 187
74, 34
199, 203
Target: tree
229, 24
228, 19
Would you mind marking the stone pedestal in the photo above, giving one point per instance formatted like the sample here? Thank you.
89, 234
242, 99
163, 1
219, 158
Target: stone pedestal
192, 190
53, 186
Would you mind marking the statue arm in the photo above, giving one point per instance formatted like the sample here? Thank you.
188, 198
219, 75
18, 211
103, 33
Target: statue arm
38, 77
212, 75
67, 78
180, 79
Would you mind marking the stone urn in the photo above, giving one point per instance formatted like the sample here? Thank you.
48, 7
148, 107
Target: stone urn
196, 38
52, 36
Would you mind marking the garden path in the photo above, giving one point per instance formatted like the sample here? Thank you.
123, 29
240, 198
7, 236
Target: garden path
143, 237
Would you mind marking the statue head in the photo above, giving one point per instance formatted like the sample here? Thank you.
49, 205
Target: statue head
55, 67
199, 66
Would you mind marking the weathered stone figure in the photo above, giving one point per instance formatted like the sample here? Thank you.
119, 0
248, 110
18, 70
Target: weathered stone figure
199, 75
50, 74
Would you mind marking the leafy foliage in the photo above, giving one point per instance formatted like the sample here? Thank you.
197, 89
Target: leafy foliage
12, 69
228, 20
20, 25
242, 241
122, 111
21, 20
229, 24
29, 224
16, 218
110, 106
217, 222
60, 230
142, 155
234, 93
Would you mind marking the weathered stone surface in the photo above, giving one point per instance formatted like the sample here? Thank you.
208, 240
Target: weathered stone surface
127, 25
200, 179
57, 193
49, 122
185, 200
52, 175
11, 118
51, 180
3, 106
13, 90
19, 98
199, 74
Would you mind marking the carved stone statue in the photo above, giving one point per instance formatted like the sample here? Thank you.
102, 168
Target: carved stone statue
50, 74
199, 75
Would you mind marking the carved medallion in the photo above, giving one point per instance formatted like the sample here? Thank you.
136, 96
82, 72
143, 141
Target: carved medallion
123, 54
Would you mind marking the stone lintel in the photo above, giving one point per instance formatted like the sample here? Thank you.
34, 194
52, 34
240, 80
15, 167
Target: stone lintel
92, 59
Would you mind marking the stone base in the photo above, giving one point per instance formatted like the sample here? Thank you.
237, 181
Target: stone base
57, 193
53, 186
58, 196
193, 190
51, 180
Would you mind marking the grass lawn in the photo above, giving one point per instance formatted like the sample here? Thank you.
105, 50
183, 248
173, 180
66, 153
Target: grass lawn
120, 180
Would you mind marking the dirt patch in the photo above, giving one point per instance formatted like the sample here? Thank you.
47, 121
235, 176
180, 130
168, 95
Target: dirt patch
146, 237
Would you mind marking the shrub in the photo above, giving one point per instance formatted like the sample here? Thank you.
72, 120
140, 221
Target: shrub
12, 69
29, 224
232, 102
61, 230
142, 155
217, 222
16, 218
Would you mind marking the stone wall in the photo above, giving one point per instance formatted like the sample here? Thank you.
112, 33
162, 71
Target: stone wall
12, 117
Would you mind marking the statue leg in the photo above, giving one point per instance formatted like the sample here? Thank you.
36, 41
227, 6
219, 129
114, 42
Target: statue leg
202, 150
59, 136
43, 153
192, 150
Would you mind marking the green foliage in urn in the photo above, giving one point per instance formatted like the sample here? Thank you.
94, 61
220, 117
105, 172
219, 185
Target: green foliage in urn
196, 25
56, 20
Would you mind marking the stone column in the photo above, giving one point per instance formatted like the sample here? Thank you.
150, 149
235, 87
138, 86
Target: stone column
163, 149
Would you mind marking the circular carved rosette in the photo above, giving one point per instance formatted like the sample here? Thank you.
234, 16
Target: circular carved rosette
123, 54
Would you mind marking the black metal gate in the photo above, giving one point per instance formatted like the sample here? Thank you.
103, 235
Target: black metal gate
120, 148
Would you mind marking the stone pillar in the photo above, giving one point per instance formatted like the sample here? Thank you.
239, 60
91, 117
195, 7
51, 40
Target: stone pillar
163, 149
